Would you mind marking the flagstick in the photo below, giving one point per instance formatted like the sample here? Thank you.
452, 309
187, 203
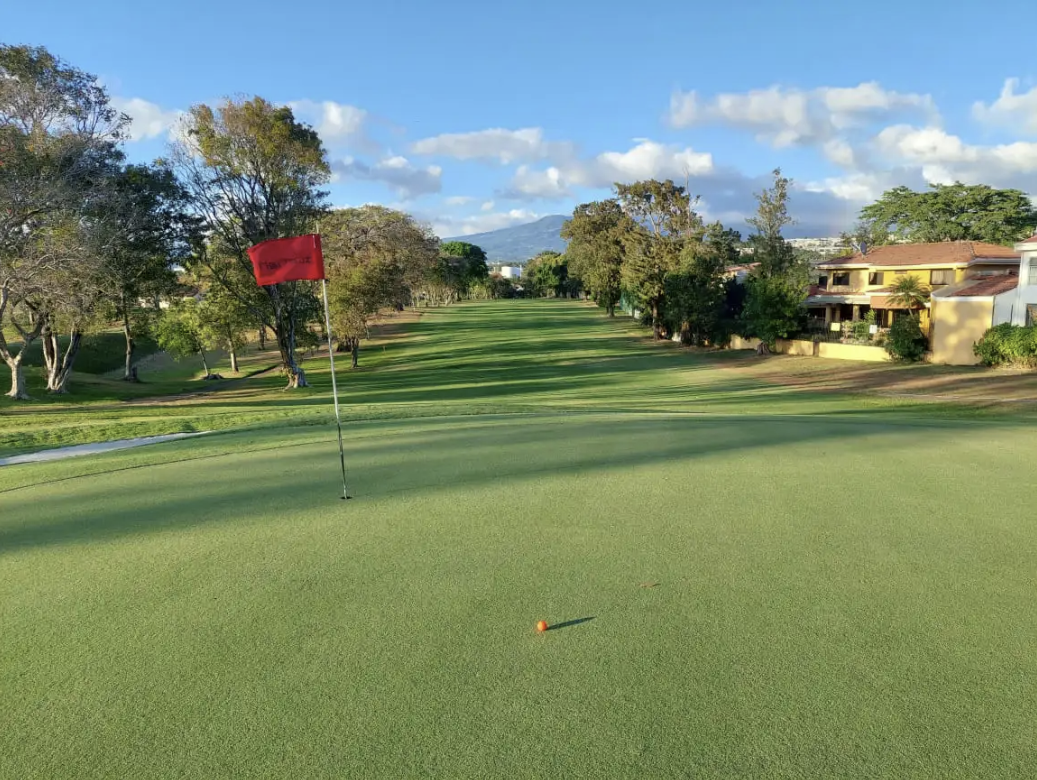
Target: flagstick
334, 390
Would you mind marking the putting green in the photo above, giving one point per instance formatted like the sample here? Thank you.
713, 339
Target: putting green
747, 595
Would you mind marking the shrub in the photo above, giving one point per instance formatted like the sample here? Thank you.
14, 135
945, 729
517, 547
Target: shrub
1008, 345
905, 340
860, 330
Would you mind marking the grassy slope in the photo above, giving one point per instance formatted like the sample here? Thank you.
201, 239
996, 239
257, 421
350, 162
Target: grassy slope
842, 590
519, 356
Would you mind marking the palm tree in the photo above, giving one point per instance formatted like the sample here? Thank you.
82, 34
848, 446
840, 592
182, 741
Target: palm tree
910, 292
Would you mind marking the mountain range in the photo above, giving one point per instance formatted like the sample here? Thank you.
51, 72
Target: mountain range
521, 242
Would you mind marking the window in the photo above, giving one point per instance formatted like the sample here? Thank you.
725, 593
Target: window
1032, 277
822, 282
944, 276
841, 279
876, 277
1031, 315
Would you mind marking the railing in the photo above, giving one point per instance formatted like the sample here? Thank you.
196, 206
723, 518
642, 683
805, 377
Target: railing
818, 330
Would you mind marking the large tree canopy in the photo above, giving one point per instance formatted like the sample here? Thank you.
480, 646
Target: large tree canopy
595, 252
375, 257
778, 285
950, 212
663, 223
255, 173
58, 149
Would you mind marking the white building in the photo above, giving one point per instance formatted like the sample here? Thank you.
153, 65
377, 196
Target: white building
511, 271
1024, 312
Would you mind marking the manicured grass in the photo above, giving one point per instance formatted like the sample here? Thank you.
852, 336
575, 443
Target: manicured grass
772, 582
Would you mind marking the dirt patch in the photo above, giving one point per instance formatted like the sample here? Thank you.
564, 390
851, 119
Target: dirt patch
950, 383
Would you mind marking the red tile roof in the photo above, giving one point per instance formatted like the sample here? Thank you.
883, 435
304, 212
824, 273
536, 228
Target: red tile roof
983, 286
944, 253
1030, 240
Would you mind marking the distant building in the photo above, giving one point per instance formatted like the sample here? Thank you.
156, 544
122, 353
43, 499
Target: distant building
974, 286
739, 272
510, 271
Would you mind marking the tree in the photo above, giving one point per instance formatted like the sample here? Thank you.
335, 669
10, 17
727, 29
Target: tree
696, 292
953, 212
58, 145
663, 222
595, 233
463, 249
905, 340
143, 227
254, 173
777, 286
223, 321
910, 292
547, 274
179, 331
462, 266
866, 233
372, 255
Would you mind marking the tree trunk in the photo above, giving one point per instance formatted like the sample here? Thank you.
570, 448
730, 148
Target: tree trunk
51, 351
234, 360
18, 390
296, 376
354, 350
205, 363
284, 332
262, 337
657, 330
14, 362
59, 373
128, 374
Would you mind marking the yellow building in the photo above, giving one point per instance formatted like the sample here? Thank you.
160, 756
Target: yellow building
972, 283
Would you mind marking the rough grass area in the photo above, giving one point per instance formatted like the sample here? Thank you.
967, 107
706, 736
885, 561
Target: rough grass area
99, 353
745, 579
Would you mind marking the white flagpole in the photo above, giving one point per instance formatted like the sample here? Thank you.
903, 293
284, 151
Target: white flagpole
334, 390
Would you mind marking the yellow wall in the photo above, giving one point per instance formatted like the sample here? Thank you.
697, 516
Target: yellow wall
796, 347
957, 325
737, 342
852, 352
803, 348
922, 274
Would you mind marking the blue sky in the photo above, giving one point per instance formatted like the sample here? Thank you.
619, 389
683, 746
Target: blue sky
475, 116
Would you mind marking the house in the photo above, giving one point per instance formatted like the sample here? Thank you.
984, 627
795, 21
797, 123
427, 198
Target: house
852, 286
974, 286
511, 271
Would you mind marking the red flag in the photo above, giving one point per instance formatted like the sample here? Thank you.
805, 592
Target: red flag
288, 259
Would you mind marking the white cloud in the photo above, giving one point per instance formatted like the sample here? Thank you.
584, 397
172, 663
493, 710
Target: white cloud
487, 206
482, 223
336, 123
840, 153
459, 200
529, 184
646, 160
396, 172
934, 147
148, 120
1012, 109
504, 146
787, 116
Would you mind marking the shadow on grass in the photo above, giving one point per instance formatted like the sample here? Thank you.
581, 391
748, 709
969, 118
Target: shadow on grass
570, 623
242, 488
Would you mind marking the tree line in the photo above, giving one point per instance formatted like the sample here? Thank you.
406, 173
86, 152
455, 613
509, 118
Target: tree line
88, 240
650, 248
